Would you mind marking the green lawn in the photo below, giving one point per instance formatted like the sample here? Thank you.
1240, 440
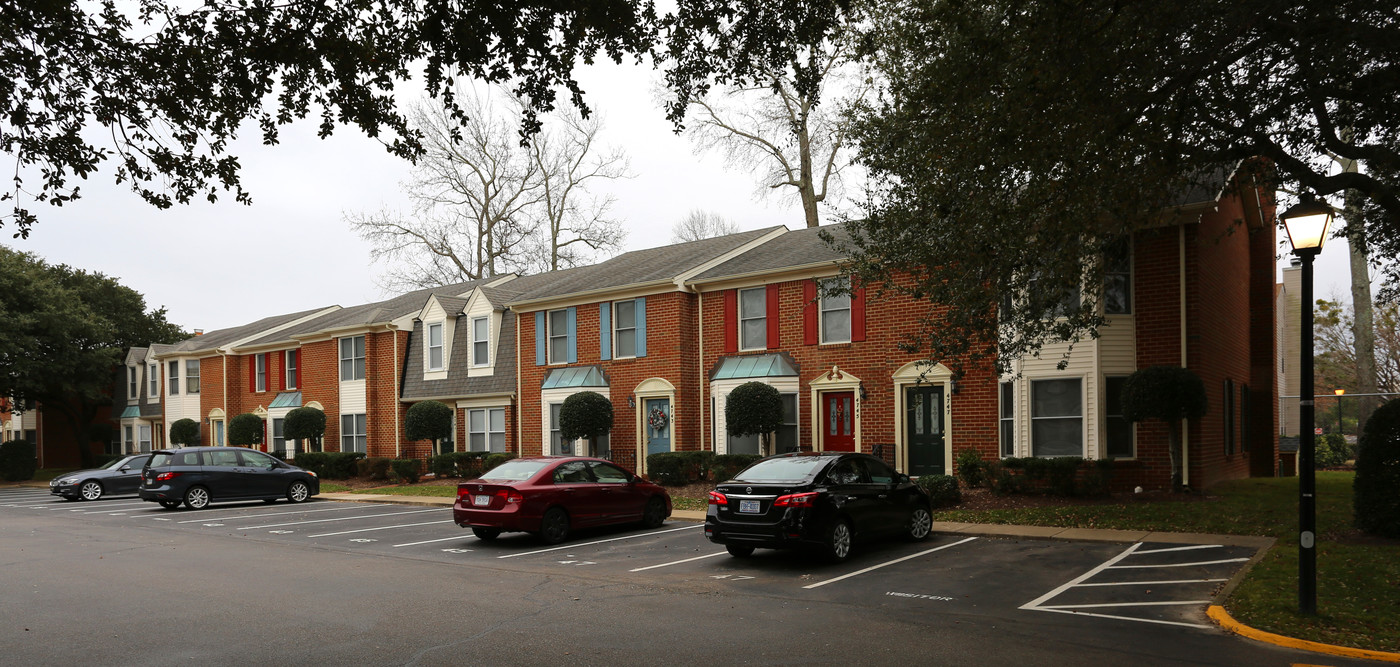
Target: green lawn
434, 491
689, 503
1358, 581
331, 487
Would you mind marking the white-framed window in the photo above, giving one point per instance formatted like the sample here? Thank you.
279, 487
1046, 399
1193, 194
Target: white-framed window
260, 372
1057, 417
624, 329
153, 381
481, 341
352, 359
558, 336
486, 430
835, 312
1118, 431
352, 432
1118, 279
753, 318
144, 432
279, 441
174, 378
290, 359
1007, 419
191, 376
130, 442
435, 346
556, 439
131, 382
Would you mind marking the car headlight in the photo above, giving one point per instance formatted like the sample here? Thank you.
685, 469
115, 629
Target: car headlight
69, 480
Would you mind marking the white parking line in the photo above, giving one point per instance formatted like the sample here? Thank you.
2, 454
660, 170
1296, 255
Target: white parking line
1204, 562
343, 518
263, 514
36, 502
445, 539
1165, 603
886, 564
678, 562
1154, 583
1190, 548
1034, 604
584, 544
1125, 618
108, 507
366, 530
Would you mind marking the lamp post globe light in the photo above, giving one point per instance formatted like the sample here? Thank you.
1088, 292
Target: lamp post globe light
1341, 426
1307, 225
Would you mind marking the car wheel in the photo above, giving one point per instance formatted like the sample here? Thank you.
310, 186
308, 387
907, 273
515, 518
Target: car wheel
738, 551
655, 513
838, 541
197, 498
91, 490
554, 527
486, 533
298, 492
170, 504
920, 524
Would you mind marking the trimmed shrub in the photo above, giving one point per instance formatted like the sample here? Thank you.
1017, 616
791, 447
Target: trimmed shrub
1060, 476
1098, 479
330, 465
17, 461
679, 468
971, 470
1375, 503
307, 424
494, 460
1331, 451
245, 430
1168, 393
428, 420
587, 414
406, 470
458, 464
375, 467
724, 467
185, 432
942, 490
754, 408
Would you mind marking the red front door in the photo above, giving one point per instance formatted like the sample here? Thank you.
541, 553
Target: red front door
838, 421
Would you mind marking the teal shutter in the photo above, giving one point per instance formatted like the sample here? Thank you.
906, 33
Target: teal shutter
642, 327
605, 331
573, 335
540, 340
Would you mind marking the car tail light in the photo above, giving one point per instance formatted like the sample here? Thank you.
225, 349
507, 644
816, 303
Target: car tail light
463, 494
796, 500
510, 495
717, 498
166, 476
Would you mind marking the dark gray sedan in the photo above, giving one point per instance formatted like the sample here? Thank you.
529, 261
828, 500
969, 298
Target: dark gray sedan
120, 477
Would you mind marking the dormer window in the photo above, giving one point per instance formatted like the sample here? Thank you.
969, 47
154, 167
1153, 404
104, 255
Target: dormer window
481, 335
131, 382
435, 357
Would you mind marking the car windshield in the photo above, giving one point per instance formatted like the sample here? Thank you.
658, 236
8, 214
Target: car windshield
787, 469
159, 459
117, 463
514, 471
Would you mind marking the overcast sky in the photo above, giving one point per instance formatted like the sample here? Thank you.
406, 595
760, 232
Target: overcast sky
223, 265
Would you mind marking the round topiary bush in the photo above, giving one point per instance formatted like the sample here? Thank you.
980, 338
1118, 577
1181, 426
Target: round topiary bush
1375, 502
305, 424
428, 420
753, 408
245, 430
587, 414
185, 432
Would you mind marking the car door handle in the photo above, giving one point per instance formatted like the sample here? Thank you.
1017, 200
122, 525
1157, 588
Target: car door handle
884, 496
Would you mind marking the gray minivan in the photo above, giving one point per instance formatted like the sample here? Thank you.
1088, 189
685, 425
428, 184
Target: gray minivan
197, 476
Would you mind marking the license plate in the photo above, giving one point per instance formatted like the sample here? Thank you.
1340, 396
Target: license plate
749, 507
481, 501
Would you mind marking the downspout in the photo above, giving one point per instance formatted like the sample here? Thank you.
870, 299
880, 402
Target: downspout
700, 370
519, 395
398, 445
225, 358
1181, 318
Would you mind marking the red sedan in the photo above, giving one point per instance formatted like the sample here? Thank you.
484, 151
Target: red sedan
552, 495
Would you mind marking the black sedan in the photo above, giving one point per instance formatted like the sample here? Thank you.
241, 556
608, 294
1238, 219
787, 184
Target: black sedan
121, 476
197, 476
823, 501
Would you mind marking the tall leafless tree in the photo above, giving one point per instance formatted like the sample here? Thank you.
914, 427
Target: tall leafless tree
484, 204
702, 224
788, 138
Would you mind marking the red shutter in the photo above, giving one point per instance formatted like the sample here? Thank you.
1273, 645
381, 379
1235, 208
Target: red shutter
252, 373
731, 321
772, 317
296, 356
858, 315
809, 313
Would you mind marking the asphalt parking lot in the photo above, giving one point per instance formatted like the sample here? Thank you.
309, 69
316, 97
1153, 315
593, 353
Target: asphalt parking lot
1098, 583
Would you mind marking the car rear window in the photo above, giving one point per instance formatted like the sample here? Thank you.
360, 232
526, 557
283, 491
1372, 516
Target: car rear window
515, 471
161, 459
788, 469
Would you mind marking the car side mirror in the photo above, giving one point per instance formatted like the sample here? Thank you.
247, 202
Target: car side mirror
125, 468
902, 478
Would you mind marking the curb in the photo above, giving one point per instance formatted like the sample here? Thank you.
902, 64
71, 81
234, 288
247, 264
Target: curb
1227, 622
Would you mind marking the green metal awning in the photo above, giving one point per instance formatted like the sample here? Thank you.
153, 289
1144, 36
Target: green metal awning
575, 376
131, 412
754, 366
286, 399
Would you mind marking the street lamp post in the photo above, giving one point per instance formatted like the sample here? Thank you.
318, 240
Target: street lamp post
1306, 224
1341, 426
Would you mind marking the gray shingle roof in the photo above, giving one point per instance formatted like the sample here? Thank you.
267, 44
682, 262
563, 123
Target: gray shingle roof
800, 248
635, 268
222, 337
365, 315
457, 384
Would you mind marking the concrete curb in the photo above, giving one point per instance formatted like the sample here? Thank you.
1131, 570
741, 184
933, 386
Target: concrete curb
1227, 622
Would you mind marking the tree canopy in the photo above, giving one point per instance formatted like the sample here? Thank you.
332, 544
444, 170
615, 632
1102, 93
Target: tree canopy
245, 430
754, 408
1013, 143
428, 420
586, 414
305, 424
62, 333
185, 432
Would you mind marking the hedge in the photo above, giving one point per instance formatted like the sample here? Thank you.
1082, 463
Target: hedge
458, 464
17, 461
679, 468
1058, 476
495, 460
724, 467
330, 465
942, 490
374, 467
406, 470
